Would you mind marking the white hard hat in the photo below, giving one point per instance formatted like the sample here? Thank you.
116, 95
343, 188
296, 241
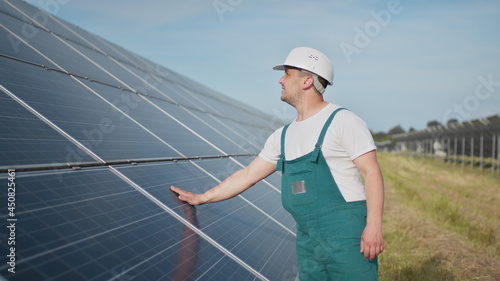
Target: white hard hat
311, 60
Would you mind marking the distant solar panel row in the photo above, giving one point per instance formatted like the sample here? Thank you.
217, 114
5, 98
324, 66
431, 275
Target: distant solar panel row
486, 125
97, 135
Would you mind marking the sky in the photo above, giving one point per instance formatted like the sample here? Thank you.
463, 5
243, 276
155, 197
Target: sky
396, 62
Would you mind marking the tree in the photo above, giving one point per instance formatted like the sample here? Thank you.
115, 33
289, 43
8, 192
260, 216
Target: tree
379, 136
433, 123
396, 130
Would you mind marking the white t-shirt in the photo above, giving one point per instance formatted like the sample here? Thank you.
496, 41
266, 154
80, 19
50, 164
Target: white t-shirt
347, 138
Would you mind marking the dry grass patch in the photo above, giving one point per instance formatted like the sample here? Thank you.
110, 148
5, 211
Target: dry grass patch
436, 226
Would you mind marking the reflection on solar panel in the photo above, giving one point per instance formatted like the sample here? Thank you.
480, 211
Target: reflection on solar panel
91, 138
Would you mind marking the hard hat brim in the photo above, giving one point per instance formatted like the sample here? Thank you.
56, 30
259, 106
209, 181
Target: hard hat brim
280, 67
285, 66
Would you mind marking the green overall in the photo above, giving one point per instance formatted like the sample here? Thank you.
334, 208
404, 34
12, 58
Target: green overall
328, 228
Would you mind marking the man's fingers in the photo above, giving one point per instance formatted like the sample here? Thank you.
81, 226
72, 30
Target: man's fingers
182, 195
367, 252
365, 249
370, 251
373, 252
179, 191
186, 196
176, 189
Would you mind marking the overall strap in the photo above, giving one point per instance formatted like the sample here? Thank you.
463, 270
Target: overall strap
279, 164
317, 147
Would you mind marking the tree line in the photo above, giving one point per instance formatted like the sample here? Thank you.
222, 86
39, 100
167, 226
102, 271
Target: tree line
384, 136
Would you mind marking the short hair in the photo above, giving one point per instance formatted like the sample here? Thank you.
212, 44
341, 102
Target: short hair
323, 81
320, 79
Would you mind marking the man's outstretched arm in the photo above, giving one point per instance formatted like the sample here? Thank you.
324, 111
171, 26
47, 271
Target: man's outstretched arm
233, 185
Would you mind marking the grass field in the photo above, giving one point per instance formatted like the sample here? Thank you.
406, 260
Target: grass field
441, 221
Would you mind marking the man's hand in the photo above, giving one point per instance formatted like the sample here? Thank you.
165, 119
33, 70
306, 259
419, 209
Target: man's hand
189, 197
372, 242
233, 185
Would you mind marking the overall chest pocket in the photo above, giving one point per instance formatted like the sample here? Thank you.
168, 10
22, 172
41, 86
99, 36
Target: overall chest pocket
299, 189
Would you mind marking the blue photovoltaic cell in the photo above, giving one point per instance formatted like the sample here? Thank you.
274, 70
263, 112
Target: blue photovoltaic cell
59, 53
249, 139
26, 140
251, 136
261, 194
195, 95
204, 126
80, 113
91, 225
40, 16
234, 224
117, 52
114, 68
190, 100
14, 47
162, 125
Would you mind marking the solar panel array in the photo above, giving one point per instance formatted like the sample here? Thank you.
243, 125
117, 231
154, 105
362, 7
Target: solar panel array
475, 142
91, 138
486, 125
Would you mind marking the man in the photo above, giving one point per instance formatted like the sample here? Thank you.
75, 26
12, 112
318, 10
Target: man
321, 155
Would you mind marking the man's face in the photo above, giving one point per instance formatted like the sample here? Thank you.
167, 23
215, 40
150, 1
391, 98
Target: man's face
290, 89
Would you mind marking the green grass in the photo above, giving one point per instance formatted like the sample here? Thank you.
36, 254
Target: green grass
405, 259
441, 222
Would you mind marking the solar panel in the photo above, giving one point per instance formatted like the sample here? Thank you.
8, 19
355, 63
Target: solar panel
94, 226
25, 139
486, 125
96, 135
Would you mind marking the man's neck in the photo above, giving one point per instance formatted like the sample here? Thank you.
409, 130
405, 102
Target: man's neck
306, 110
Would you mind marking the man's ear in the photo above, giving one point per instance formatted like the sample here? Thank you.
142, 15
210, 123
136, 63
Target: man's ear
308, 82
